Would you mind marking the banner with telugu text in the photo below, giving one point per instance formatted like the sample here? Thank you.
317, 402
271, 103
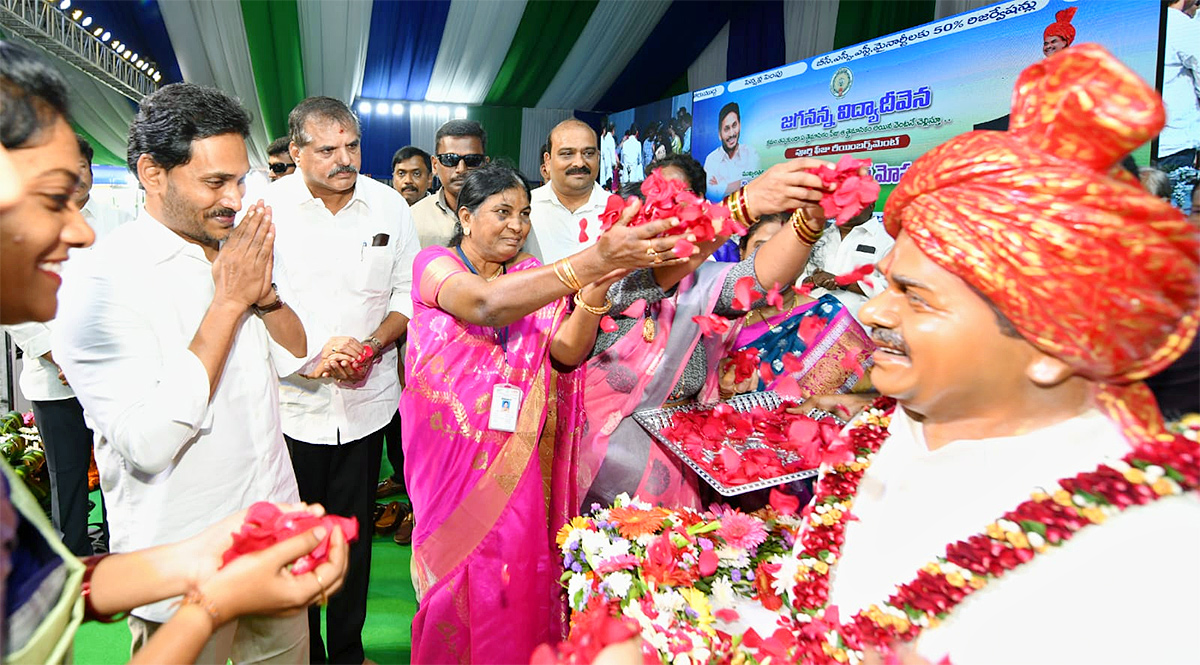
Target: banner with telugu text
896, 97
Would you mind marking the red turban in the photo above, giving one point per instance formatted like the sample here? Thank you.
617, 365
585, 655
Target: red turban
1088, 266
1061, 27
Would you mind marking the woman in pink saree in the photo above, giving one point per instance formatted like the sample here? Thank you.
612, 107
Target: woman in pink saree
488, 320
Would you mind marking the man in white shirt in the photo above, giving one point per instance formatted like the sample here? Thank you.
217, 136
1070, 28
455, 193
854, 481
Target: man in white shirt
631, 158
345, 249
565, 212
1012, 337
862, 240
461, 145
731, 165
101, 217
608, 155
174, 338
1180, 139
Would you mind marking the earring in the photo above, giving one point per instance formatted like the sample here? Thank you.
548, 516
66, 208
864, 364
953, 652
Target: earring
467, 231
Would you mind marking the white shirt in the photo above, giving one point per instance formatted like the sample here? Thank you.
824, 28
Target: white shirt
1124, 591
631, 160
555, 230
608, 157
865, 243
172, 461
39, 377
345, 279
1181, 84
723, 170
102, 217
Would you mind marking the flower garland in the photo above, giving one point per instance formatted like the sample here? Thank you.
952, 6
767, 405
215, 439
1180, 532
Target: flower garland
811, 630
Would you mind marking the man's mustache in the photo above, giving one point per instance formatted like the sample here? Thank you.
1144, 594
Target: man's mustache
579, 170
220, 212
889, 338
342, 169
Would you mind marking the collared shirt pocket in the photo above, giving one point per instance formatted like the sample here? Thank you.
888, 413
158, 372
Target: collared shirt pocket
375, 269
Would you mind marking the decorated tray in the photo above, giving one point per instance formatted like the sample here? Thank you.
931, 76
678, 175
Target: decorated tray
779, 460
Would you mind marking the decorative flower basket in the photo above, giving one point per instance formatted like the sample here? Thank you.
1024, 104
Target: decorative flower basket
746, 422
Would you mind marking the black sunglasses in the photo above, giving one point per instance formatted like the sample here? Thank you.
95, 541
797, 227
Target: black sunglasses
451, 160
280, 167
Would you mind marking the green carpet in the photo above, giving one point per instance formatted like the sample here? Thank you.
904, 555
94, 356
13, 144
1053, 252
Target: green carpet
391, 605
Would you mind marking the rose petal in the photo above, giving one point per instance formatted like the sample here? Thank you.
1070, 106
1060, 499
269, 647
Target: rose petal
635, 310
683, 248
855, 275
607, 324
744, 293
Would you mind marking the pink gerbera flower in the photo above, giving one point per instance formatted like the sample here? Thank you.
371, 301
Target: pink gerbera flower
741, 531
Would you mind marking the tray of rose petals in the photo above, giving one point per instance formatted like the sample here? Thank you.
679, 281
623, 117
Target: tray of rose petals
743, 444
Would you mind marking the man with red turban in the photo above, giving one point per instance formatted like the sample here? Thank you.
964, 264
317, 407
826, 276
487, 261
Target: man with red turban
1031, 287
1059, 34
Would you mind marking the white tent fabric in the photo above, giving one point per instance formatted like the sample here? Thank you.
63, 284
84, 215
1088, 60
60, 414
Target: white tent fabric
944, 8
808, 27
333, 47
423, 126
710, 66
535, 127
613, 34
210, 44
474, 43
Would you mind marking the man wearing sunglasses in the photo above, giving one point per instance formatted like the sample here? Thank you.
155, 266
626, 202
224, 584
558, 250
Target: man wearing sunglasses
279, 160
459, 147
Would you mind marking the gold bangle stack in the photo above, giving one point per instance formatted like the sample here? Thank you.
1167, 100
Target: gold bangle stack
566, 275
598, 311
736, 202
804, 232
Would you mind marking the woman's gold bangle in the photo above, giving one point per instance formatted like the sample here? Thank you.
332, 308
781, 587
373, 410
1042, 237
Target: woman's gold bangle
598, 311
566, 275
804, 233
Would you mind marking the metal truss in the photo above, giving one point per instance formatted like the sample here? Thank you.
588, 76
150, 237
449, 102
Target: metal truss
41, 23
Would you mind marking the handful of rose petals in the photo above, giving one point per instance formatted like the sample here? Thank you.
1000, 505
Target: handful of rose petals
853, 191
745, 361
716, 440
670, 198
267, 525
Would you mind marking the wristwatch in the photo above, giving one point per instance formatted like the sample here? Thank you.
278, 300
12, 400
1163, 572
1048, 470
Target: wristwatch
375, 344
267, 309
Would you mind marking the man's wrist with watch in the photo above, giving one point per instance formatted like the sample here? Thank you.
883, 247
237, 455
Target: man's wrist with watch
375, 345
273, 305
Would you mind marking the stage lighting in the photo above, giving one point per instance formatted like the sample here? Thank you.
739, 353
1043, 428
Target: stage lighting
97, 31
397, 109
64, 5
87, 20
157, 76
364, 107
106, 36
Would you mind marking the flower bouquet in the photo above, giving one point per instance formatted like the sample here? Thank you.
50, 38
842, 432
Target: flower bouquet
22, 449
673, 576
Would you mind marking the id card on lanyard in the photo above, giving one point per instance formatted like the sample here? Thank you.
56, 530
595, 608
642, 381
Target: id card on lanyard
506, 404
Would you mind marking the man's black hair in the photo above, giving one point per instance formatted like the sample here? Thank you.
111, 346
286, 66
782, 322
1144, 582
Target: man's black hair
174, 116
731, 107
278, 146
319, 108
85, 148
410, 151
33, 94
460, 127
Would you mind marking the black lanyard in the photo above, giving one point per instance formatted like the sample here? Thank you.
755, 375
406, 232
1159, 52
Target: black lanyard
502, 334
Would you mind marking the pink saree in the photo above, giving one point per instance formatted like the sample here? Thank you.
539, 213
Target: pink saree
601, 451
482, 560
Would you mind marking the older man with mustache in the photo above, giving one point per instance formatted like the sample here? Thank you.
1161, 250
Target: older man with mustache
565, 212
344, 249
